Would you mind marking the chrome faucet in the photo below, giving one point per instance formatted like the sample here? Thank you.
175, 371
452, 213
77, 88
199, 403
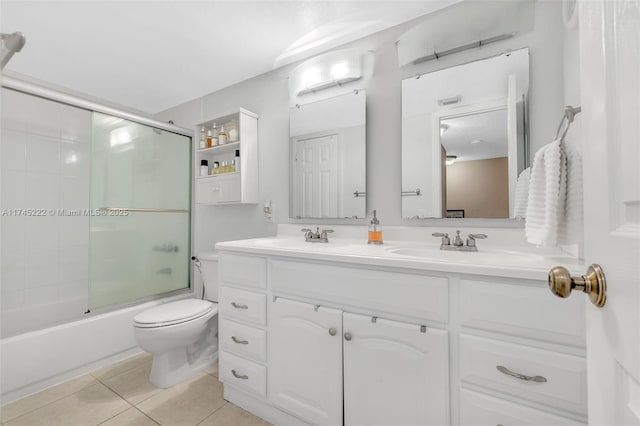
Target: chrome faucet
316, 237
458, 244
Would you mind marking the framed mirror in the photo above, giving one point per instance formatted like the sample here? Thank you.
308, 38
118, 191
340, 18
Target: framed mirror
464, 138
327, 156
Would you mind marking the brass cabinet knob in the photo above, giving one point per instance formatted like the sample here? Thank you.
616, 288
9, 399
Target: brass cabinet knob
593, 283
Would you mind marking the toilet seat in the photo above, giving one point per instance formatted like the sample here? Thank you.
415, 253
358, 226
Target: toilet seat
173, 313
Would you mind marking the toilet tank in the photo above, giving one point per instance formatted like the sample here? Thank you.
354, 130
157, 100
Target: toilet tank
209, 269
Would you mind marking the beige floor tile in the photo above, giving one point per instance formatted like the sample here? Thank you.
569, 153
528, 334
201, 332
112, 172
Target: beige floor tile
131, 417
213, 369
232, 415
185, 404
47, 396
89, 406
122, 366
133, 385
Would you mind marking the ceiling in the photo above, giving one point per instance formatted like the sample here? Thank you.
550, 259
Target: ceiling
152, 55
476, 136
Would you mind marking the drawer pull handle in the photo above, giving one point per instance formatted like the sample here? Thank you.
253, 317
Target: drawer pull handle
332, 332
347, 336
240, 342
239, 376
505, 370
235, 305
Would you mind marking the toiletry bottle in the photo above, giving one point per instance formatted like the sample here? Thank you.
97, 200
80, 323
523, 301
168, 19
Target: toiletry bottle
222, 136
204, 168
375, 230
232, 166
215, 170
209, 138
203, 138
237, 159
223, 167
214, 132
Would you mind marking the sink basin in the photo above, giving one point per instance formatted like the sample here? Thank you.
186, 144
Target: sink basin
483, 254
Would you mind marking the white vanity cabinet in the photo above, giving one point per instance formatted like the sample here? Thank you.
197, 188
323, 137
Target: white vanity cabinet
240, 186
351, 342
391, 372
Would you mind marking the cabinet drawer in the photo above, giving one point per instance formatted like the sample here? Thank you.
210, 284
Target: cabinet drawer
246, 271
418, 296
243, 305
477, 409
239, 372
566, 385
243, 340
516, 309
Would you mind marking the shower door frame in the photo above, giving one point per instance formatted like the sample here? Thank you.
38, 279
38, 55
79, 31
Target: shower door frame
33, 89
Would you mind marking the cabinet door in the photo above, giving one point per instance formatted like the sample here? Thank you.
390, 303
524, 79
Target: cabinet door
394, 374
207, 190
229, 184
305, 361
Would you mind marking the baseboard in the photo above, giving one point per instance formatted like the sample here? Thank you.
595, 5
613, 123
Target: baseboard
260, 407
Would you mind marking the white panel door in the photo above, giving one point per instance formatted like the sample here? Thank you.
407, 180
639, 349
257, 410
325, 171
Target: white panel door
610, 91
305, 361
316, 176
394, 374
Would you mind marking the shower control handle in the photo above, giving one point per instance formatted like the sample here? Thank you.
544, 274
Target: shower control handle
238, 341
237, 306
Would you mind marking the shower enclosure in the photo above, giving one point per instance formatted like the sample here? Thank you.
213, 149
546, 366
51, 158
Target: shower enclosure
96, 209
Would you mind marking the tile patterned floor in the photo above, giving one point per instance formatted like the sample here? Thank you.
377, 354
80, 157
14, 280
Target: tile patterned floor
121, 395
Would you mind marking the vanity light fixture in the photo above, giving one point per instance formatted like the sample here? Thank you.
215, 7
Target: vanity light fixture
449, 101
325, 71
450, 160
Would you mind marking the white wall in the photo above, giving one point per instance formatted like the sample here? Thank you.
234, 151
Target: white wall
267, 95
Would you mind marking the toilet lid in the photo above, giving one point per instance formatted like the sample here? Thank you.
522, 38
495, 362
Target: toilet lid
173, 313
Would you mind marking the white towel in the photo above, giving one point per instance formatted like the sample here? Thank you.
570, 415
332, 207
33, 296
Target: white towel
522, 194
554, 206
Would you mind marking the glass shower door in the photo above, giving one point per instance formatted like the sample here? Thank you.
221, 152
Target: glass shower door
140, 212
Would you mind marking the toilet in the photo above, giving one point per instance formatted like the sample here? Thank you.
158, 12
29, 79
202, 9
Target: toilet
182, 335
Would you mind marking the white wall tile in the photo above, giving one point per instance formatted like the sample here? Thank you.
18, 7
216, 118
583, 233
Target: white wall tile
13, 188
43, 191
14, 151
41, 232
75, 159
74, 193
43, 154
74, 231
13, 234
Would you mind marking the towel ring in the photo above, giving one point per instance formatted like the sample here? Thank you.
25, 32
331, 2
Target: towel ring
568, 117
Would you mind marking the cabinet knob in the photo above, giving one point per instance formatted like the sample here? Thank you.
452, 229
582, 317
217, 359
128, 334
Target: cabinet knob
347, 336
593, 283
332, 332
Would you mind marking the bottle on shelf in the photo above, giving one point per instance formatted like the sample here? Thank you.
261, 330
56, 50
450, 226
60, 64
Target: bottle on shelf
222, 136
214, 133
237, 160
209, 139
203, 138
204, 168
233, 134
215, 169
375, 230
232, 166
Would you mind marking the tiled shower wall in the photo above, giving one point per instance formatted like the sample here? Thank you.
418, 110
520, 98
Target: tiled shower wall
45, 166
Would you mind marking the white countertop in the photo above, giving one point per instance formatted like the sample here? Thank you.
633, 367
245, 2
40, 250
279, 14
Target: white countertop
515, 261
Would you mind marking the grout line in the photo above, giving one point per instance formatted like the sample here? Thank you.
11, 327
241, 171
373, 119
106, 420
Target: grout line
146, 415
214, 411
118, 413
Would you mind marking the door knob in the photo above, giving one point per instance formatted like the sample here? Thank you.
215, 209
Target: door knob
593, 283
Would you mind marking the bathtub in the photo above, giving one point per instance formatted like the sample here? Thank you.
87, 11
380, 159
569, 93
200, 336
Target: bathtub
36, 360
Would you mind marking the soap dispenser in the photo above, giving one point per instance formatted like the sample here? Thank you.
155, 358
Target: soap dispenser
375, 230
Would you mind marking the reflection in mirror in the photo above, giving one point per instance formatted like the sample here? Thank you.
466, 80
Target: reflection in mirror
464, 138
327, 152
